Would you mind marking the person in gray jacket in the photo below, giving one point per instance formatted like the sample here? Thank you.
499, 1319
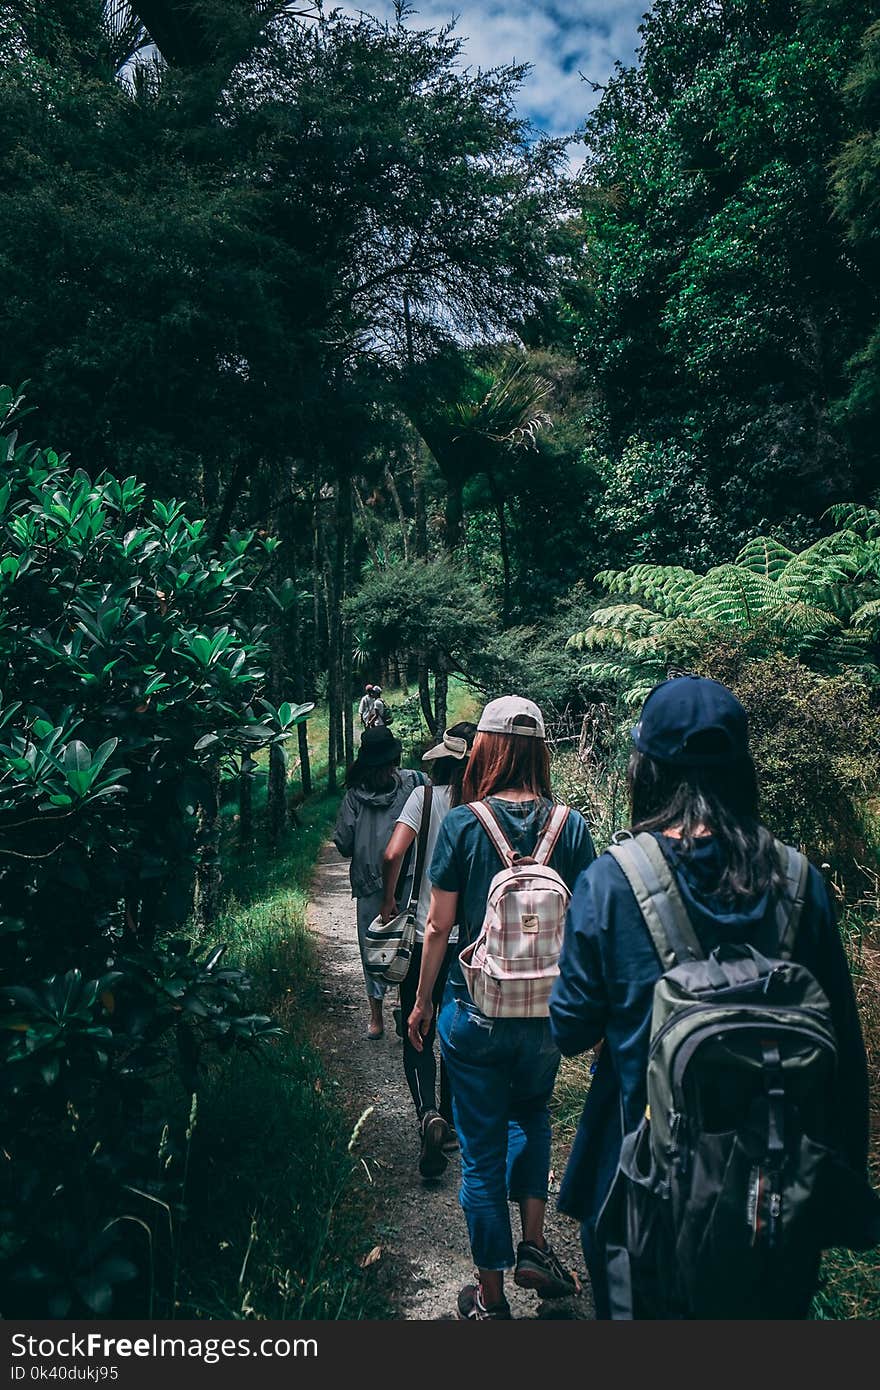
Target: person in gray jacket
377, 789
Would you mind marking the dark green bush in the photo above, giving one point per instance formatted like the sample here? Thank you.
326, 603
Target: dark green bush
816, 743
129, 675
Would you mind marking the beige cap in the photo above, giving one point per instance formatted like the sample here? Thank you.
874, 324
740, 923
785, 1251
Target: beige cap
501, 716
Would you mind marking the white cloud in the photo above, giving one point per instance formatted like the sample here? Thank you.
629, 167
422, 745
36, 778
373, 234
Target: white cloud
559, 38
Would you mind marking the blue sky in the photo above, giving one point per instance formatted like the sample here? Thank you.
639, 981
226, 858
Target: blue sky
558, 37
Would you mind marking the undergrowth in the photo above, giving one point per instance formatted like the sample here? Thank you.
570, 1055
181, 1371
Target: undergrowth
274, 1213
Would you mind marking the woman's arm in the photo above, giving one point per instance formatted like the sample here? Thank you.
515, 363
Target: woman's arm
441, 920
395, 852
578, 1004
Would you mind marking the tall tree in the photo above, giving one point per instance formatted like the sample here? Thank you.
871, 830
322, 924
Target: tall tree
725, 303
856, 186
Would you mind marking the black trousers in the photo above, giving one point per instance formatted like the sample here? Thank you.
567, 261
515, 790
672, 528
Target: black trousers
421, 1067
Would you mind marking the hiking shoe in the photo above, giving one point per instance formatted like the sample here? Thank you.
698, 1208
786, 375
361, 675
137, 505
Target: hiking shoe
471, 1305
434, 1131
398, 1020
450, 1143
539, 1269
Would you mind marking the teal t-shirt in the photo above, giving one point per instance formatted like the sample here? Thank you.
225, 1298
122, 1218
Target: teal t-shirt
465, 860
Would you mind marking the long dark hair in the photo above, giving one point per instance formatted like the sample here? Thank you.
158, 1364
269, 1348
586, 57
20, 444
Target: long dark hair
507, 762
449, 772
371, 779
723, 800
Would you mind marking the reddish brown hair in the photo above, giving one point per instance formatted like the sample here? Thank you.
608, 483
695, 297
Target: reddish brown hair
507, 762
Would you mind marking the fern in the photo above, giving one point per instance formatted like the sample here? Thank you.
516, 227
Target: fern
821, 605
764, 556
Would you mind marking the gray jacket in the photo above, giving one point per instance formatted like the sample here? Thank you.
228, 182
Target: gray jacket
363, 829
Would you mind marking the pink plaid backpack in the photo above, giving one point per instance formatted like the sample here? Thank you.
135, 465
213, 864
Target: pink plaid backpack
510, 968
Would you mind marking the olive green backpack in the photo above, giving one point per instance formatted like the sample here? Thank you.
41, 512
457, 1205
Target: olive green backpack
732, 1182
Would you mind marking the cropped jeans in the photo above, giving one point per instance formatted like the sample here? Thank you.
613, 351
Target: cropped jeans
501, 1072
367, 910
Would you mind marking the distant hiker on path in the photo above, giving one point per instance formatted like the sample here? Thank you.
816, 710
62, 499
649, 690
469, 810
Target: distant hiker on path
377, 790
372, 709
447, 762
745, 1134
502, 1060
365, 706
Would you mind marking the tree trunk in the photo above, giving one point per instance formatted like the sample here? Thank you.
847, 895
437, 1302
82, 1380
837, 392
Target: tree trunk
276, 806
345, 545
441, 695
230, 497
335, 748
207, 887
277, 798
298, 686
246, 798
317, 579
504, 547
421, 528
367, 526
401, 514
454, 516
425, 695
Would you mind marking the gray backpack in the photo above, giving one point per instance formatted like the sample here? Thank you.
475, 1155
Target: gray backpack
732, 1182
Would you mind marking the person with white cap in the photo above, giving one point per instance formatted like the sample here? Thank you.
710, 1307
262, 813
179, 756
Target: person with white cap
502, 1064
447, 762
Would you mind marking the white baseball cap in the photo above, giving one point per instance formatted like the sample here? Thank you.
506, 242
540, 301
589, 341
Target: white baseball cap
502, 717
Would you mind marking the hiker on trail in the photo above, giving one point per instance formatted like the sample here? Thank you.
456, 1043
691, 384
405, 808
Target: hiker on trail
377, 789
447, 762
380, 715
367, 705
494, 1034
372, 709
722, 1190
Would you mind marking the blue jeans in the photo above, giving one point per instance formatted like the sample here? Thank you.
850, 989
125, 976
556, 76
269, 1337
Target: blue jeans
501, 1072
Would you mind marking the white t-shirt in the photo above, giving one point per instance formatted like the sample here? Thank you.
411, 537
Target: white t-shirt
411, 815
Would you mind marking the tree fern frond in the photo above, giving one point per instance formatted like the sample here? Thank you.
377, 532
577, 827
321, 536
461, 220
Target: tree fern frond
765, 556
822, 605
868, 615
852, 516
632, 617
666, 586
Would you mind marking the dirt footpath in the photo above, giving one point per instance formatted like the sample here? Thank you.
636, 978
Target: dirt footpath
420, 1228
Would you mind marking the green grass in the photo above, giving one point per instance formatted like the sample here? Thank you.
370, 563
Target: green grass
275, 1212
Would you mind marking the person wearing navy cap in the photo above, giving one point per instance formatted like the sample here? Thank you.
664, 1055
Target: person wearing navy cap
693, 788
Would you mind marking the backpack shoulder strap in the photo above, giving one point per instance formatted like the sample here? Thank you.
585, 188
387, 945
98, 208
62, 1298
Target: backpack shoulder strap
795, 868
656, 892
424, 827
549, 837
492, 826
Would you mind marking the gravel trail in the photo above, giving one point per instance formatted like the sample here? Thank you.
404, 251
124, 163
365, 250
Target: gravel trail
419, 1228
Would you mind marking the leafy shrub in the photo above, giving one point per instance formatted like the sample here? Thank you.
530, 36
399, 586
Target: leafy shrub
129, 675
816, 744
654, 502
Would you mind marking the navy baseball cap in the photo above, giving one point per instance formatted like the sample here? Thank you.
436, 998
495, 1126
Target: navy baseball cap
692, 721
